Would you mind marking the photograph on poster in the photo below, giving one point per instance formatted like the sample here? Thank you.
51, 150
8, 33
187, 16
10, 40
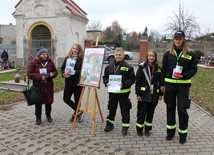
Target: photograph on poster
92, 67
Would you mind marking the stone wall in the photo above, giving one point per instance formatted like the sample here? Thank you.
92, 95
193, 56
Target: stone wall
7, 34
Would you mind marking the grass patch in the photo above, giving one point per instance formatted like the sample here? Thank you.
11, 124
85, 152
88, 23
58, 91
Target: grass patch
202, 89
9, 97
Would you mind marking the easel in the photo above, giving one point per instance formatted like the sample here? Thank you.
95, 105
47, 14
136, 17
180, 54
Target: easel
85, 108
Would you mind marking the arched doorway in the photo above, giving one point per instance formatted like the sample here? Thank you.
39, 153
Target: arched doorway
40, 36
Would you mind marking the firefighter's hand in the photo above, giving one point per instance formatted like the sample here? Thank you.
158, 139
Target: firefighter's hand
108, 84
162, 88
179, 76
139, 98
121, 85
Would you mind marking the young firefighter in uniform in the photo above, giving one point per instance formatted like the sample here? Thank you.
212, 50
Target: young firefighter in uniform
119, 67
148, 92
179, 66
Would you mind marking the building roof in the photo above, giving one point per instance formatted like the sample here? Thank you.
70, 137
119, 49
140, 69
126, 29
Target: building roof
70, 5
75, 9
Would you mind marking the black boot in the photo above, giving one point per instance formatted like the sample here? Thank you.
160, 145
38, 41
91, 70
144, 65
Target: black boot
38, 121
139, 131
109, 127
72, 118
169, 137
124, 131
49, 118
182, 139
147, 133
170, 134
80, 116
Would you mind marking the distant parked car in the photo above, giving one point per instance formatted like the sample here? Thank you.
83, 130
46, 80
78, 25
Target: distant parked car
109, 54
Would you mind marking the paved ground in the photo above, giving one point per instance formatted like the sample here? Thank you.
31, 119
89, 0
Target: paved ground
20, 136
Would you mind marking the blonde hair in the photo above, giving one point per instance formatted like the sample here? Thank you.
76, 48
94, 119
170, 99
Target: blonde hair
185, 49
80, 52
119, 49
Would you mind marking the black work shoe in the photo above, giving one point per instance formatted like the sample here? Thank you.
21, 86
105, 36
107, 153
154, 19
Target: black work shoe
140, 134
124, 131
169, 137
38, 121
49, 118
182, 140
139, 131
109, 127
72, 118
147, 133
80, 116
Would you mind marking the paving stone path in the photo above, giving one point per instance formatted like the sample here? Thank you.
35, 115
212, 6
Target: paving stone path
20, 136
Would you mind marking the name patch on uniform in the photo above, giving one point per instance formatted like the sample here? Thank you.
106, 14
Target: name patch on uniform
187, 57
124, 69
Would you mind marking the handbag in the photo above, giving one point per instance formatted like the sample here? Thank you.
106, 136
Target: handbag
32, 95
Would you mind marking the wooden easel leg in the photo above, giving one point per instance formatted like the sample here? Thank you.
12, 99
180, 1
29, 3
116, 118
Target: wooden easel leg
85, 109
93, 119
98, 104
87, 99
78, 107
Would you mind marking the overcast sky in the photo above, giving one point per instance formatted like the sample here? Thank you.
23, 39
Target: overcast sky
132, 15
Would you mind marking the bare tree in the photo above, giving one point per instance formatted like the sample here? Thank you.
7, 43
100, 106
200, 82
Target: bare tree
182, 20
154, 36
113, 34
133, 40
94, 25
116, 28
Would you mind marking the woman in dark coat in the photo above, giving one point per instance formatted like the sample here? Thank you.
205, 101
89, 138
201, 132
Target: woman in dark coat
71, 68
42, 71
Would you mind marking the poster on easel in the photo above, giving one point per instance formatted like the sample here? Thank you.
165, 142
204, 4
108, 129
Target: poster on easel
92, 67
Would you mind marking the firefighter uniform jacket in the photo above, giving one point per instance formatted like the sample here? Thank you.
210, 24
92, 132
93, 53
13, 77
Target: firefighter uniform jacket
124, 69
188, 62
142, 87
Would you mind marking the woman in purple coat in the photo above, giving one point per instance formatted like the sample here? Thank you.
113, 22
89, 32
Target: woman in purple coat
42, 71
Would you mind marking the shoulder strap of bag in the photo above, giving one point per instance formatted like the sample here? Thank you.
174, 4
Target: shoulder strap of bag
29, 85
147, 78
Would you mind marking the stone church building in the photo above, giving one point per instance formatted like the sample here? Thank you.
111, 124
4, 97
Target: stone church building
55, 24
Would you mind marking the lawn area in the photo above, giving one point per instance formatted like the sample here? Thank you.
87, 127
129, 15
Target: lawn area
202, 89
8, 97
201, 92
